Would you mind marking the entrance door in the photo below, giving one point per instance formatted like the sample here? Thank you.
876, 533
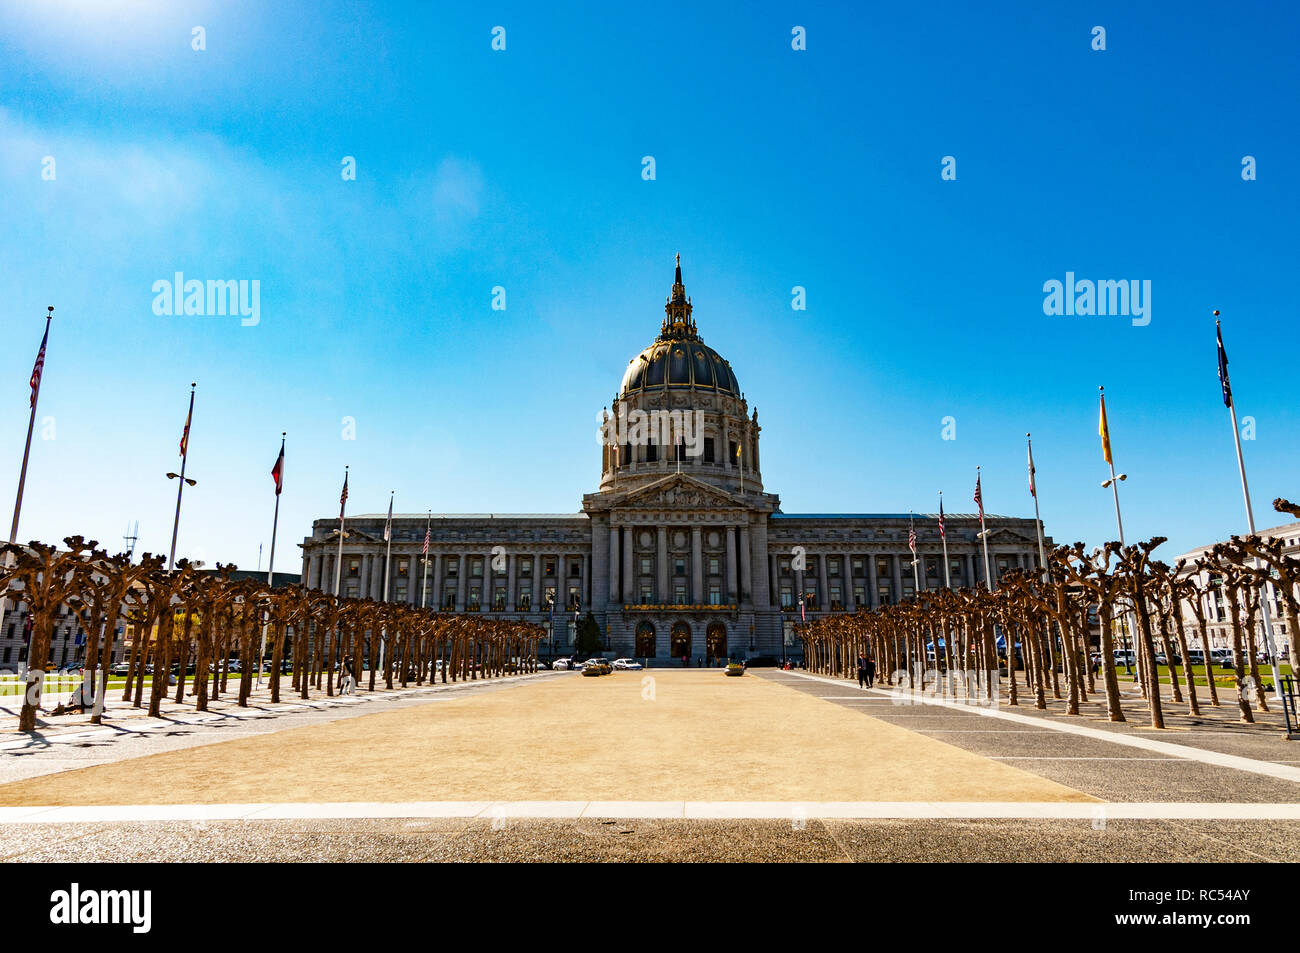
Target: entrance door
716, 640
680, 640
645, 640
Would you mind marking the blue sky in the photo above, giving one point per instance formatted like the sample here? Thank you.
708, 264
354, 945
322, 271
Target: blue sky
522, 168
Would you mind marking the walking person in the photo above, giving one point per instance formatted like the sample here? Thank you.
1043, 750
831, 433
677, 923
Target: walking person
871, 671
862, 671
345, 678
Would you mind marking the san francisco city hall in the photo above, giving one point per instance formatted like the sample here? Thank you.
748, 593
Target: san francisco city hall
677, 553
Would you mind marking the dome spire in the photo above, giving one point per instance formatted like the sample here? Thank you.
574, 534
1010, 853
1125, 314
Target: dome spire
677, 310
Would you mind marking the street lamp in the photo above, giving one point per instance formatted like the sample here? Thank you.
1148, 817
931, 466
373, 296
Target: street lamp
1105, 484
177, 476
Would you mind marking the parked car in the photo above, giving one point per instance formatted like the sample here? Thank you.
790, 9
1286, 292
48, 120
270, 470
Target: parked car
119, 668
561, 664
1196, 656
626, 665
1160, 659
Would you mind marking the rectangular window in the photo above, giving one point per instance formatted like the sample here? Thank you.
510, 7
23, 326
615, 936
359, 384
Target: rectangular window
453, 567
575, 598
474, 596
735, 454
708, 450
836, 601
354, 567
476, 567
645, 596
651, 453
679, 567
352, 590
526, 601
787, 597
498, 599
715, 565
715, 596
859, 569
860, 595
955, 566
885, 595
883, 569
403, 567
646, 567
679, 595
549, 566
526, 566
833, 566
783, 567
575, 569
399, 594
548, 596
449, 601
932, 569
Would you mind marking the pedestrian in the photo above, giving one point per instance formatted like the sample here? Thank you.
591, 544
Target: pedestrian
345, 678
862, 671
871, 671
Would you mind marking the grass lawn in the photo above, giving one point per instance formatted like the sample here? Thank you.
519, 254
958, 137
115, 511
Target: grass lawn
1222, 676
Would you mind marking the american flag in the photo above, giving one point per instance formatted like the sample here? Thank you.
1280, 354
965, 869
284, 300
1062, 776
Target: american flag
388, 526
343, 499
942, 534
39, 366
911, 539
425, 551
979, 497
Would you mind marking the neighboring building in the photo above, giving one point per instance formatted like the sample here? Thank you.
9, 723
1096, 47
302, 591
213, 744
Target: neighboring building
1217, 606
681, 551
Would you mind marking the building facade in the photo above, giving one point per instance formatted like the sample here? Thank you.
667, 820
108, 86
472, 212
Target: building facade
681, 550
1218, 608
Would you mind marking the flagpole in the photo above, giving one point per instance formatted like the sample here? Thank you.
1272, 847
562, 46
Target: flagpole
984, 537
338, 562
180, 484
1119, 525
31, 426
270, 569
424, 597
1250, 516
916, 574
1042, 553
943, 535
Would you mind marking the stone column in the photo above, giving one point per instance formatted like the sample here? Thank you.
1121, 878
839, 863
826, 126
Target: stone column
873, 596
512, 599
661, 565
697, 566
824, 596
537, 584
629, 571
760, 593
615, 588
896, 572
462, 582
437, 571
850, 603
970, 570
746, 567
586, 593
314, 572
732, 594
773, 564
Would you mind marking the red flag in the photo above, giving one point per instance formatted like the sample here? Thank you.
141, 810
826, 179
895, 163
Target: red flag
39, 367
185, 434
277, 471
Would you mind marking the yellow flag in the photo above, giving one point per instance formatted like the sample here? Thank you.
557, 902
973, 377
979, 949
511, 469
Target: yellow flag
1104, 431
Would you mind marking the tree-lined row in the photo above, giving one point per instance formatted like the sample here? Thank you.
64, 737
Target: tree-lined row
207, 617
1037, 627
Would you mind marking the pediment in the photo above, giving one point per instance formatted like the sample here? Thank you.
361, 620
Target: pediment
677, 492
